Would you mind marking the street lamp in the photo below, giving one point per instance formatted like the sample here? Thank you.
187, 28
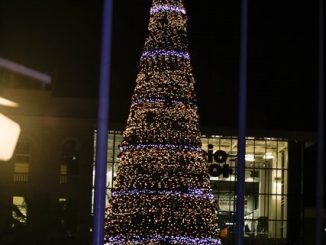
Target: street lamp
9, 129
9, 132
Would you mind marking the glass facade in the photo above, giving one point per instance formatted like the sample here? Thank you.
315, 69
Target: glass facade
266, 181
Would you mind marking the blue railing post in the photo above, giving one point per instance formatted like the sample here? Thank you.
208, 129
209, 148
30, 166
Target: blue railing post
102, 130
320, 147
242, 123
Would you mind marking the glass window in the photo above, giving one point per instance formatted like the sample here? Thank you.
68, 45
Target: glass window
19, 212
266, 177
114, 141
69, 161
21, 162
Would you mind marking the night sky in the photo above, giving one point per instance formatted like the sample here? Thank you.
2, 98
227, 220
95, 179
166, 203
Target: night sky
62, 38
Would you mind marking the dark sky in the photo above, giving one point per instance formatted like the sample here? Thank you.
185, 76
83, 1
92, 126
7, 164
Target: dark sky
62, 38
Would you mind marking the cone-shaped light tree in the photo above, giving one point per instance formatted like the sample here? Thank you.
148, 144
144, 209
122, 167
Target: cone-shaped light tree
162, 192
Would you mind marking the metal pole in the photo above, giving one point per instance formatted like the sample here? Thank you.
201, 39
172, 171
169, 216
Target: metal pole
320, 144
103, 119
242, 123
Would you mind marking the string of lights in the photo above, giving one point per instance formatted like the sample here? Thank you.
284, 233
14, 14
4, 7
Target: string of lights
160, 146
192, 193
162, 100
157, 53
161, 194
169, 8
168, 240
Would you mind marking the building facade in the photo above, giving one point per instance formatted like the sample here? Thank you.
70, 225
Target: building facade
45, 188
274, 204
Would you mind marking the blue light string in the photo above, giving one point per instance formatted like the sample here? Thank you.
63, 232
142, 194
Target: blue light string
163, 52
170, 239
167, 8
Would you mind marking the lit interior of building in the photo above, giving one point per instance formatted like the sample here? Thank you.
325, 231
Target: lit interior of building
266, 181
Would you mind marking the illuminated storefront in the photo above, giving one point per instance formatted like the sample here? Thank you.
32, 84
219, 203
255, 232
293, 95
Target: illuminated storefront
266, 181
266, 178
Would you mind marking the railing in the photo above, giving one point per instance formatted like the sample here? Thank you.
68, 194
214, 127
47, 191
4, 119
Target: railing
63, 179
20, 178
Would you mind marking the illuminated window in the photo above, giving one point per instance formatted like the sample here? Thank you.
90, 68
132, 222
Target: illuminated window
22, 162
62, 202
19, 212
266, 184
266, 181
69, 161
114, 140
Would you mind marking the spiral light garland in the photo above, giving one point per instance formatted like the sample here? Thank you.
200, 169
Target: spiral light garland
157, 53
162, 191
169, 8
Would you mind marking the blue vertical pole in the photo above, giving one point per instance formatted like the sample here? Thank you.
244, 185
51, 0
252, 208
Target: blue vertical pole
320, 147
242, 123
103, 119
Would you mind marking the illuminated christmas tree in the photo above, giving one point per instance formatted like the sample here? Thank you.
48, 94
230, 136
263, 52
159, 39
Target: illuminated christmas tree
162, 192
